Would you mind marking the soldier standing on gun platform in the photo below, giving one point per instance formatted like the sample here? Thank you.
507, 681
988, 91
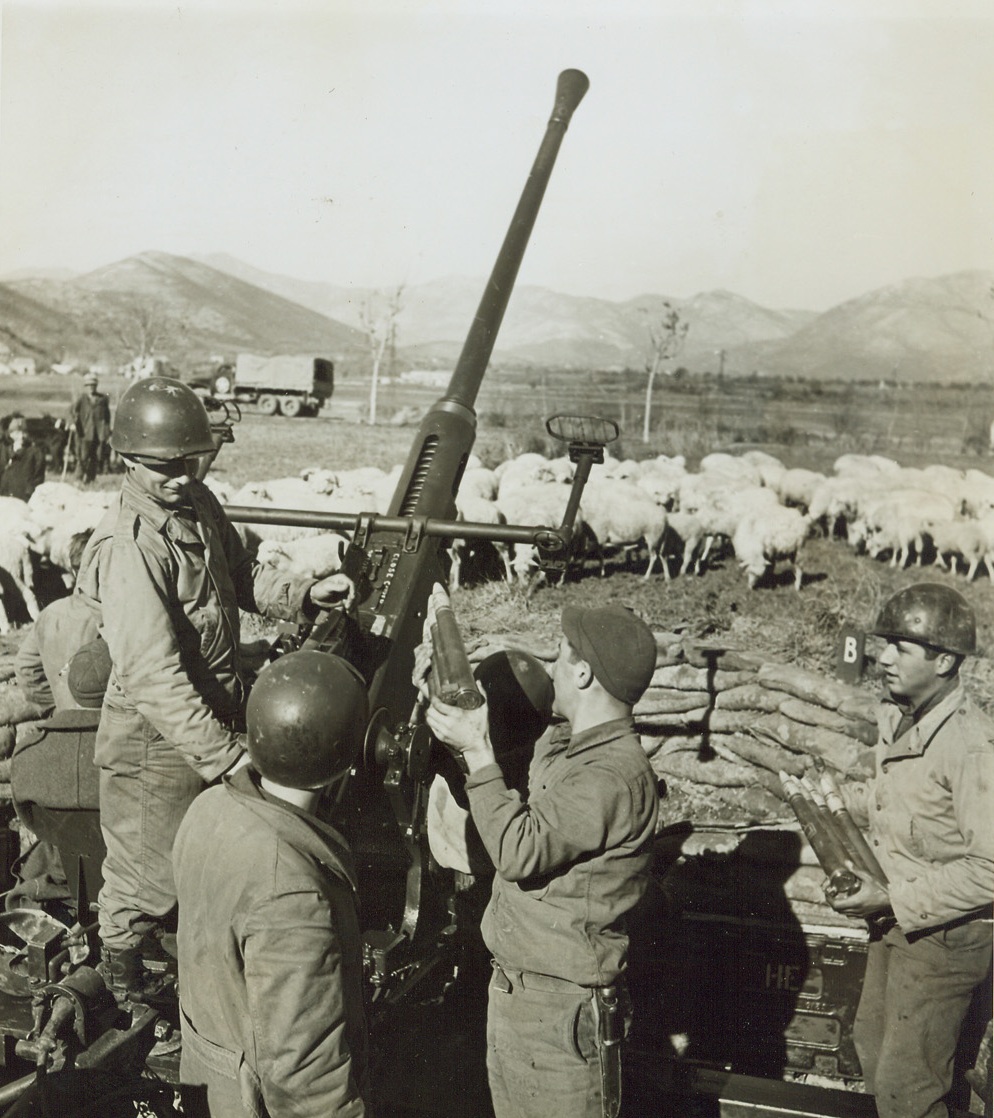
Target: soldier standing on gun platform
571, 861
929, 812
167, 573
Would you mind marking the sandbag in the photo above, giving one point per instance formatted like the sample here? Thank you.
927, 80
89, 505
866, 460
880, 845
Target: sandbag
843, 753
684, 677
773, 758
665, 700
749, 696
802, 684
813, 715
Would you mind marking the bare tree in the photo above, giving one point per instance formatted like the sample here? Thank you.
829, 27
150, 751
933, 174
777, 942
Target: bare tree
378, 318
139, 326
667, 335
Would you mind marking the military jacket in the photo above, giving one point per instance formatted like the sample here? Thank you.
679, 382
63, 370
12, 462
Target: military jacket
269, 950
572, 858
168, 588
930, 811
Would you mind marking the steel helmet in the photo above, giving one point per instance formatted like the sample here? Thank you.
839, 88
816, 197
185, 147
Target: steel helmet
306, 717
161, 418
932, 614
519, 696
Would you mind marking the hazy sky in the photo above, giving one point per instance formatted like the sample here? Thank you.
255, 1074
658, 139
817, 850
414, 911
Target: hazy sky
798, 152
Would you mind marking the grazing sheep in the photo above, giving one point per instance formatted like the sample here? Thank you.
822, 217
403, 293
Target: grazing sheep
620, 514
477, 481
535, 504
685, 531
765, 536
18, 535
900, 535
477, 510
971, 541
771, 469
719, 507
797, 487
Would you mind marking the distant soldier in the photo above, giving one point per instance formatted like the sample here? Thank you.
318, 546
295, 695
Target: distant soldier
91, 424
22, 463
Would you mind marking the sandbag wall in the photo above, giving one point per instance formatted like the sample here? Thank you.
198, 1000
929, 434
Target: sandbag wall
722, 724
719, 726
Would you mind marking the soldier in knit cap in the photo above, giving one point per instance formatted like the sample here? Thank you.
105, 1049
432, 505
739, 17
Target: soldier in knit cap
571, 860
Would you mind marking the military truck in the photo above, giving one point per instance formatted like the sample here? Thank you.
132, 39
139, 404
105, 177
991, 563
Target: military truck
288, 384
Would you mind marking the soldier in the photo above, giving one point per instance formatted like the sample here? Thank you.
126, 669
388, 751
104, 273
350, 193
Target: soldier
571, 861
60, 630
270, 966
91, 424
22, 463
167, 573
928, 809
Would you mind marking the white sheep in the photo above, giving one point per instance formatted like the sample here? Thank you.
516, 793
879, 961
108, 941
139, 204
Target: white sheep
620, 514
18, 534
765, 536
661, 477
477, 481
281, 493
683, 538
796, 487
539, 503
477, 510
899, 534
307, 557
736, 469
770, 468
894, 521
971, 541
719, 506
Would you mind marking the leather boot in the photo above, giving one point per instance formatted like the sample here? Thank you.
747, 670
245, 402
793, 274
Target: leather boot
125, 975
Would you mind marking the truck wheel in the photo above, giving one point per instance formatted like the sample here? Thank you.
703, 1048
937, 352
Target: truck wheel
292, 407
269, 405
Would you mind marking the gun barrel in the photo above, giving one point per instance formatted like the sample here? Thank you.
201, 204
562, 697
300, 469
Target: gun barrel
428, 484
464, 385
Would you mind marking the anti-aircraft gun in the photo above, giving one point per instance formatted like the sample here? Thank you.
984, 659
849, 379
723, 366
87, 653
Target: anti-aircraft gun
395, 559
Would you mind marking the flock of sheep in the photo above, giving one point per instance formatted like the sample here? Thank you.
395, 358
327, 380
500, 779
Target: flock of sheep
751, 503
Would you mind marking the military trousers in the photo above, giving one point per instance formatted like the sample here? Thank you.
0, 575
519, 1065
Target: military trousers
542, 1057
916, 994
146, 786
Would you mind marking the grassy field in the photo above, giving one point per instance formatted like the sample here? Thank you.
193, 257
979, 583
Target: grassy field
802, 424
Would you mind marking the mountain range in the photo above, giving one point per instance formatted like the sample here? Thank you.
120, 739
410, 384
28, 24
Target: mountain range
939, 329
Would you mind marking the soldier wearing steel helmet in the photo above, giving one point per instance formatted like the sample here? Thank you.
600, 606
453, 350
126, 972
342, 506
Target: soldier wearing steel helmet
929, 813
270, 967
167, 574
